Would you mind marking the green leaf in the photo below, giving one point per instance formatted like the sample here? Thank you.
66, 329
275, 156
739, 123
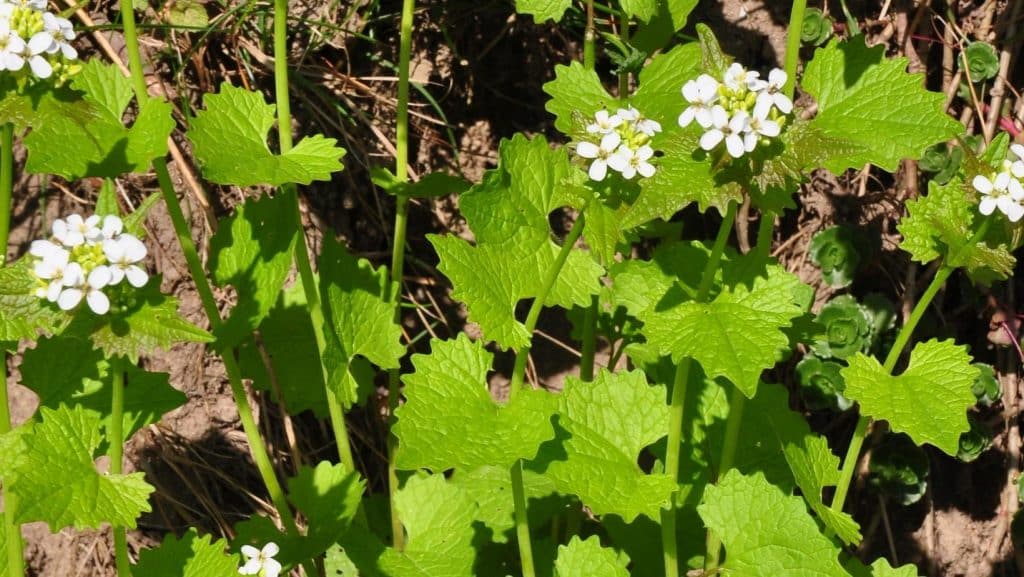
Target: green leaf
360, 321
589, 559
94, 140
83, 378
603, 426
438, 520
190, 556
190, 13
252, 252
51, 471
542, 10
671, 17
766, 532
429, 185
941, 225
491, 488
659, 96
871, 101
576, 95
929, 401
880, 568
23, 315
508, 214
338, 564
230, 142
814, 468
149, 321
450, 421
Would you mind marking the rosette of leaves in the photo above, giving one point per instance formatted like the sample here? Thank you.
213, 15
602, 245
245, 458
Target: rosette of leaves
975, 441
847, 327
834, 251
817, 27
986, 386
982, 61
899, 469
821, 384
942, 161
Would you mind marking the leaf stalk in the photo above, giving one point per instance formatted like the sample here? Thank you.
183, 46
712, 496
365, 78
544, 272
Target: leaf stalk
115, 439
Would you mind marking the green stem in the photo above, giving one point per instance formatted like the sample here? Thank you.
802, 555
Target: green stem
796, 22
398, 247
624, 76
589, 38
680, 384
516, 383
115, 438
181, 229
281, 97
589, 348
15, 556
737, 402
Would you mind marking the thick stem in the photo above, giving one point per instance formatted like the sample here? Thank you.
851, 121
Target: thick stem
281, 97
589, 348
115, 438
15, 556
398, 247
796, 22
181, 229
680, 384
522, 522
589, 38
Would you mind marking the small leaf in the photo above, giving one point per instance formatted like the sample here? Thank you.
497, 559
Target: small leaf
714, 61
814, 468
671, 17
230, 142
252, 252
880, 568
23, 315
542, 10
49, 466
190, 556
834, 251
576, 92
766, 532
642, 10
188, 13
450, 421
430, 185
929, 401
587, 558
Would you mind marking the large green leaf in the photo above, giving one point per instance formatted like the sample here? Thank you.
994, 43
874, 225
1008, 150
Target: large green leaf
189, 556
587, 558
23, 315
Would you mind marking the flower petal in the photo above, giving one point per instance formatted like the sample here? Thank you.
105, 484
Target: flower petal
250, 552
271, 568
99, 277
598, 170
735, 145
587, 150
136, 276
98, 302
270, 550
987, 205
69, 298
982, 185
710, 139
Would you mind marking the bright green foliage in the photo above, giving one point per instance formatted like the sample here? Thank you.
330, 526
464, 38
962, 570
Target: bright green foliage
491, 488
508, 213
189, 13
814, 468
640, 9
438, 520
90, 138
3, 542
834, 251
671, 17
338, 564
898, 469
816, 28
766, 532
929, 401
587, 558
82, 377
190, 556
252, 252
149, 321
359, 317
871, 101
429, 185
576, 94
450, 421
880, 568
49, 465
603, 426
658, 95
542, 10
230, 143
23, 315
941, 224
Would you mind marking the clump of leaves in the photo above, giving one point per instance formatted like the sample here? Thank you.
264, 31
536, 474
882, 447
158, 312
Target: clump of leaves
821, 384
899, 469
982, 61
943, 161
834, 251
847, 327
817, 27
986, 386
975, 441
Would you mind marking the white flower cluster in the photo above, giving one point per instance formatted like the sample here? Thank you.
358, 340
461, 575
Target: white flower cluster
83, 257
31, 35
741, 110
623, 145
1003, 189
260, 561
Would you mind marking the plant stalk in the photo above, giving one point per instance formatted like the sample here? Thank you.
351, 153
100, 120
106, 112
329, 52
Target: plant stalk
796, 22
680, 384
115, 438
589, 38
257, 448
589, 348
15, 555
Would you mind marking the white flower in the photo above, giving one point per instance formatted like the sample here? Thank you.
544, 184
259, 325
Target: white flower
701, 94
56, 33
1004, 193
732, 130
604, 123
260, 560
75, 230
1017, 150
629, 162
52, 266
39, 5
122, 255
760, 125
112, 226
11, 48
92, 289
648, 126
600, 153
628, 114
737, 77
36, 61
772, 92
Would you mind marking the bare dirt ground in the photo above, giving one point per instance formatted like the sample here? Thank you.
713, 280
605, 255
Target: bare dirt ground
484, 67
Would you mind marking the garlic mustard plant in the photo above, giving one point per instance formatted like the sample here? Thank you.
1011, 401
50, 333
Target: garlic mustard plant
35, 44
83, 257
260, 562
623, 144
1002, 189
740, 110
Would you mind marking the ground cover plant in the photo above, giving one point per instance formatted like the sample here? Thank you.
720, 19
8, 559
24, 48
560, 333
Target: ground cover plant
695, 446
